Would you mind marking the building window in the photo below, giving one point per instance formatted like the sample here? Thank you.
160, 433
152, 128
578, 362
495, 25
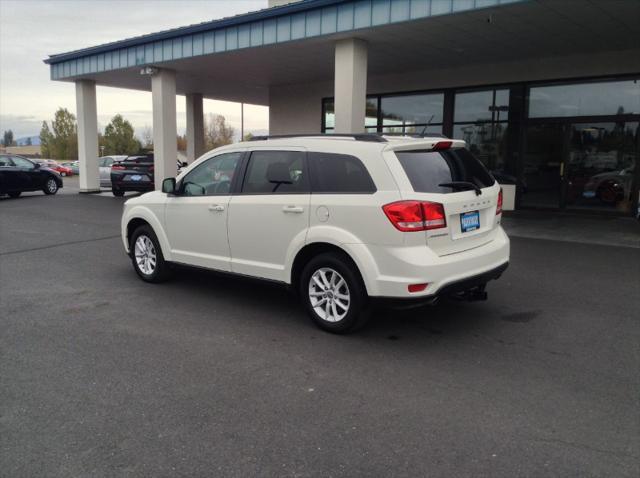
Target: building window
586, 99
412, 113
480, 118
370, 121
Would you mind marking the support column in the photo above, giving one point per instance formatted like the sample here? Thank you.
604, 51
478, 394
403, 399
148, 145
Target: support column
165, 131
87, 114
195, 127
350, 85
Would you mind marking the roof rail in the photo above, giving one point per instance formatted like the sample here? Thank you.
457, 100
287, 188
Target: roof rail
417, 135
373, 137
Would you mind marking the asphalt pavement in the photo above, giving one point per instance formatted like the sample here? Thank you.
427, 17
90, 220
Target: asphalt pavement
104, 375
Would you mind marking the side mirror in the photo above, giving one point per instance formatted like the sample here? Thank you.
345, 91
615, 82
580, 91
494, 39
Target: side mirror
184, 164
36, 165
169, 186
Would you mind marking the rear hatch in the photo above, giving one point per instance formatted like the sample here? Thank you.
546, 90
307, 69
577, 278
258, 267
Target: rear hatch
134, 169
454, 178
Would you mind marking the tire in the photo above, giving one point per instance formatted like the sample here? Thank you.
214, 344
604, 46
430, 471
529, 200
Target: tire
331, 269
14, 194
117, 193
50, 186
144, 248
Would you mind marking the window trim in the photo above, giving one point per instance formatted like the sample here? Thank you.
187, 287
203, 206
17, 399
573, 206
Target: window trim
245, 168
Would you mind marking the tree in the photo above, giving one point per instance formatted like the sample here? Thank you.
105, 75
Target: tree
247, 137
119, 137
182, 142
46, 141
65, 132
60, 141
216, 131
8, 138
28, 142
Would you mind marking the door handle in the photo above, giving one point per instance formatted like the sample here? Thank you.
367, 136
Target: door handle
293, 209
216, 208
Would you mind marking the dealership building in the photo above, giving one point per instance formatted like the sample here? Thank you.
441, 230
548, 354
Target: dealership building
545, 92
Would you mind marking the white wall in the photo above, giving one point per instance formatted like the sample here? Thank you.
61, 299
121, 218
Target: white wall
298, 108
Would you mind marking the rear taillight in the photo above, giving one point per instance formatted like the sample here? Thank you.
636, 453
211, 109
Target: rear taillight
499, 206
117, 167
407, 216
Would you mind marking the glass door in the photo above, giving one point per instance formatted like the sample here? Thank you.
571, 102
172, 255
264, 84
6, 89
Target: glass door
587, 166
601, 166
543, 165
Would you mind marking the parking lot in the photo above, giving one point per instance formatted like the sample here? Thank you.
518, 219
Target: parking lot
104, 375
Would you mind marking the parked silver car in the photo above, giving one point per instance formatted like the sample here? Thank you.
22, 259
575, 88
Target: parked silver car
105, 163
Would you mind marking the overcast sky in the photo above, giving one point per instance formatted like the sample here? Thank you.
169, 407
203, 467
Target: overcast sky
31, 30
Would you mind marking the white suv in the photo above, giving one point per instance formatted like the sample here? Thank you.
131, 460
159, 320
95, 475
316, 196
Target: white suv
342, 219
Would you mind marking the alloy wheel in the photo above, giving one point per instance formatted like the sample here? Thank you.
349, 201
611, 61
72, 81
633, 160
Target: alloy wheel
52, 186
329, 294
145, 253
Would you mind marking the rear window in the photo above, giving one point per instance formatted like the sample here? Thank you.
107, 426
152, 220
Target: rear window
427, 169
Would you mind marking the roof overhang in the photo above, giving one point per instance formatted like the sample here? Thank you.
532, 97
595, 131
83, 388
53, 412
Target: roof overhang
239, 58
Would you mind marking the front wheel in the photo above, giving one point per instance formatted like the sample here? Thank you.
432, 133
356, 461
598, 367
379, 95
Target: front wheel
117, 192
50, 187
14, 194
146, 255
334, 294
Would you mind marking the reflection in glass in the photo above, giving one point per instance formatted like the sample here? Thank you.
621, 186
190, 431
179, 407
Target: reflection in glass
601, 165
409, 110
587, 99
418, 129
371, 119
487, 141
542, 162
479, 106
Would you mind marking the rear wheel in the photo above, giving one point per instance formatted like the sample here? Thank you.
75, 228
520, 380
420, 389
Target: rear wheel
146, 255
50, 186
117, 192
334, 294
15, 194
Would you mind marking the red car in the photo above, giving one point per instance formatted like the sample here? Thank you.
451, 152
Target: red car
56, 166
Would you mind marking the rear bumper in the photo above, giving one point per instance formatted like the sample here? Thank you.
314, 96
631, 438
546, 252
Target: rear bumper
132, 186
450, 289
392, 269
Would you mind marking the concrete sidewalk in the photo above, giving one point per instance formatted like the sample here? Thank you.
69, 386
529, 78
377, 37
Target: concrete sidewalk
602, 230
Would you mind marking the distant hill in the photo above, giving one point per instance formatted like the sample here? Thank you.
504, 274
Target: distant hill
35, 141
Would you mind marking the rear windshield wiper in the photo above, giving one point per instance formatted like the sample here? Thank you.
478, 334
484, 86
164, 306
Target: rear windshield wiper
462, 185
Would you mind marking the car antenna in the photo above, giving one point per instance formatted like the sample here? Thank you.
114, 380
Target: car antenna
424, 130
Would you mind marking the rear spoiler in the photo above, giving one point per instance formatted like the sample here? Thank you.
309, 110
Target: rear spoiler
422, 144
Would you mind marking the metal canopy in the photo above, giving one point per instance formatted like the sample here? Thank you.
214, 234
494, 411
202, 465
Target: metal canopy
241, 60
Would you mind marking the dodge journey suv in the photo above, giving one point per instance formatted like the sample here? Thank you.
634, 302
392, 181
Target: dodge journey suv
343, 220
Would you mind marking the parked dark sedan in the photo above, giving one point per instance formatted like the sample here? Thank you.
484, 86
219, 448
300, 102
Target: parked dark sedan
18, 174
135, 173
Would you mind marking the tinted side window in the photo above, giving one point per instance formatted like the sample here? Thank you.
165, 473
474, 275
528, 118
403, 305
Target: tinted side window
427, 169
212, 177
339, 173
22, 163
276, 172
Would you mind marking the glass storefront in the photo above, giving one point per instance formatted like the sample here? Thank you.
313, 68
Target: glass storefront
481, 119
410, 114
568, 146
